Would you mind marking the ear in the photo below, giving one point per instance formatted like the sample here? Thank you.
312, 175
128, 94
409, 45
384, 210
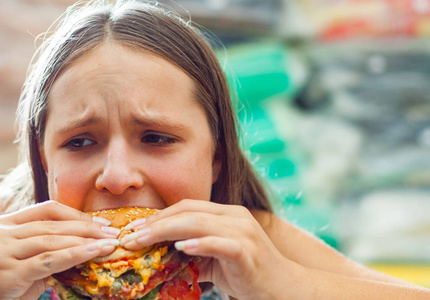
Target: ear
216, 165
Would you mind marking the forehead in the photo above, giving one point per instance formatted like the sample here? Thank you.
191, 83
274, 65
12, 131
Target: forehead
113, 80
114, 71
112, 63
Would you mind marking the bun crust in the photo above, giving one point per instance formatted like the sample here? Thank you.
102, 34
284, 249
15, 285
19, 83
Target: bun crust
121, 217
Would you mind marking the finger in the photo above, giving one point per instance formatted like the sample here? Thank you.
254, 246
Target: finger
182, 207
227, 250
33, 246
48, 263
68, 228
49, 210
183, 226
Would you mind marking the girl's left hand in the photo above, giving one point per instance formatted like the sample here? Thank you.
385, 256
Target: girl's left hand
237, 255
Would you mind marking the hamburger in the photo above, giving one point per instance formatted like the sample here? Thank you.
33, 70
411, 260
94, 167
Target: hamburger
155, 272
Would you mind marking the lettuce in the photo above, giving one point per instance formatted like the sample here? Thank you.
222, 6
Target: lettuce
152, 294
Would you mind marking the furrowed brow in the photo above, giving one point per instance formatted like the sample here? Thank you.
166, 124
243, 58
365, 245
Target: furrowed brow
79, 123
158, 122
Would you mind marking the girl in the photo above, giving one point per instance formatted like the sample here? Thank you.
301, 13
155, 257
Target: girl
126, 105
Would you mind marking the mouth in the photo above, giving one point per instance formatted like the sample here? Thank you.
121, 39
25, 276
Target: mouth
120, 204
107, 201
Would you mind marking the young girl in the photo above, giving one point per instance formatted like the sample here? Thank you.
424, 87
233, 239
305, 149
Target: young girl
126, 105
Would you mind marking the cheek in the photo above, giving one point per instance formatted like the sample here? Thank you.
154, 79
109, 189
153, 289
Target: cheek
185, 179
68, 188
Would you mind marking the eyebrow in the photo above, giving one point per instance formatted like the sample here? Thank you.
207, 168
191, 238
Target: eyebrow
134, 121
156, 122
79, 123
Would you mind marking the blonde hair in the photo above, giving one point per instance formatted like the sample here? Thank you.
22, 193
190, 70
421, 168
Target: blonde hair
148, 27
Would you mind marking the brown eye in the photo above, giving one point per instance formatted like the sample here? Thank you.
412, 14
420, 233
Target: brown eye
79, 144
157, 139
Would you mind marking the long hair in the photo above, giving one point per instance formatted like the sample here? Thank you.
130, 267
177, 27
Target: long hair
152, 28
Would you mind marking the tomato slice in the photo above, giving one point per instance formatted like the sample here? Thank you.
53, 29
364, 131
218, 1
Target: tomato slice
179, 289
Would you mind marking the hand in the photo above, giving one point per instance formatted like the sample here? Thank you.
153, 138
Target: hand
44, 239
238, 256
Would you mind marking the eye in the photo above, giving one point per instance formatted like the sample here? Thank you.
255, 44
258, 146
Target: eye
77, 144
157, 139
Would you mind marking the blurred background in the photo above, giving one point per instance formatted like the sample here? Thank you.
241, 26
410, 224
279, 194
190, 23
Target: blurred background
334, 101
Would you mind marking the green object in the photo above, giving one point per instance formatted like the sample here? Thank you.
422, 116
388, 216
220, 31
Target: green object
258, 71
283, 167
271, 146
152, 294
260, 133
316, 219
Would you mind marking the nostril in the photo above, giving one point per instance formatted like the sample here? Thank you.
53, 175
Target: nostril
117, 183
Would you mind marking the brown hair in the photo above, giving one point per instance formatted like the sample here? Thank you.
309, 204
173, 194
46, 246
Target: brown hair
152, 28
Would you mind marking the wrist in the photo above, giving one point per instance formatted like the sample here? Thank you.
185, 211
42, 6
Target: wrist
293, 281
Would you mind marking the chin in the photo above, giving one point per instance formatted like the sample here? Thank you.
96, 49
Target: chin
155, 272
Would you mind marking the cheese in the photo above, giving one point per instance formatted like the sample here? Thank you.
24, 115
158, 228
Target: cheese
105, 280
92, 289
115, 265
145, 274
104, 274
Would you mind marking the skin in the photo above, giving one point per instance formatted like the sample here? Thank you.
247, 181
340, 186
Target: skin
45, 239
124, 129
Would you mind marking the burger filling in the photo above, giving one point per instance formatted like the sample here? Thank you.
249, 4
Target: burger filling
155, 272
131, 278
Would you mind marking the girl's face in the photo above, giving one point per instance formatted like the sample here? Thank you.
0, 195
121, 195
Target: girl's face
124, 129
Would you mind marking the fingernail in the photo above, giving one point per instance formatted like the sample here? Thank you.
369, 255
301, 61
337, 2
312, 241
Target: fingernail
101, 220
134, 236
135, 223
101, 244
188, 244
111, 231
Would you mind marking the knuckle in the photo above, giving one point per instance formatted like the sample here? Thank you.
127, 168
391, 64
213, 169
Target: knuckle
7, 265
189, 218
197, 224
50, 210
90, 227
72, 254
51, 227
185, 203
237, 252
83, 216
48, 240
243, 211
248, 228
196, 219
46, 260
51, 205
156, 236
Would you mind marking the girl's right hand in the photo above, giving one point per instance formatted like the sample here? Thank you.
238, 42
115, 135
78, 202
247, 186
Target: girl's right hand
44, 239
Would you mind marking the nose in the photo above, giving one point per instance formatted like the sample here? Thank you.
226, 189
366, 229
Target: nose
119, 173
